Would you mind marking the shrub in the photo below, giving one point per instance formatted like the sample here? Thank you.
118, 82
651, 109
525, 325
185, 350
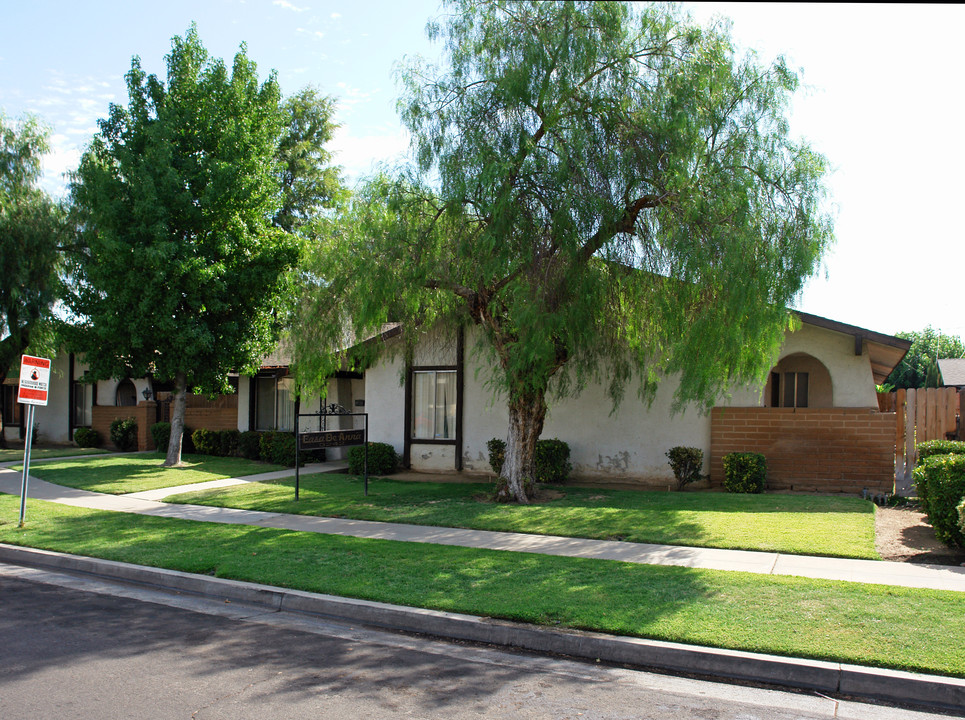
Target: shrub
249, 445
745, 472
551, 461
278, 448
124, 434
943, 478
961, 516
206, 441
940, 447
161, 434
382, 459
86, 437
228, 443
686, 463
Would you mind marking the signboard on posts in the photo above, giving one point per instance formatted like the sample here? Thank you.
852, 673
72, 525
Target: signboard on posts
34, 380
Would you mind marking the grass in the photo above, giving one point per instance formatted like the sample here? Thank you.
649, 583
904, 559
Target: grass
119, 474
40, 453
900, 628
796, 524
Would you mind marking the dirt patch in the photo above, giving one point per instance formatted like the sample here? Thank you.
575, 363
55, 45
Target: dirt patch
904, 534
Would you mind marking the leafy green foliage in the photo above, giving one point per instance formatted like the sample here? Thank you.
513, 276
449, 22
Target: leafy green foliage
551, 461
249, 445
919, 369
940, 447
943, 479
497, 454
686, 463
383, 459
278, 448
86, 437
32, 230
124, 434
604, 190
182, 270
161, 434
745, 472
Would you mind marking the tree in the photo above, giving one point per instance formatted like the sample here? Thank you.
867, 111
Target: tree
604, 190
32, 230
919, 367
310, 183
182, 268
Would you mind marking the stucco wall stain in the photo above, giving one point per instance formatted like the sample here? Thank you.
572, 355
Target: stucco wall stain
618, 464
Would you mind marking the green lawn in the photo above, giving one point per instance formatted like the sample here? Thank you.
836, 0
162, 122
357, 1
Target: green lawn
797, 524
119, 474
40, 453
918, 630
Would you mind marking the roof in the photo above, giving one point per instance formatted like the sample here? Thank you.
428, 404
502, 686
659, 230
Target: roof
953, 371
884, 351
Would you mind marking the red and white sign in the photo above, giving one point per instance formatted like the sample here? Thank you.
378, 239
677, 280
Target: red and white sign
34, 380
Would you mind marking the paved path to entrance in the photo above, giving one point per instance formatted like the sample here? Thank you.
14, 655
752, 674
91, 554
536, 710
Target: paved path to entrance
146, 503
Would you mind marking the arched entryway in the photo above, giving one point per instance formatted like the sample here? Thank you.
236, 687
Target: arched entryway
126, 395
799, 380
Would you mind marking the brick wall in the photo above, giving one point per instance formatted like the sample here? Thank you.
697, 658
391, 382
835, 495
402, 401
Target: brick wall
145, 413
827, 450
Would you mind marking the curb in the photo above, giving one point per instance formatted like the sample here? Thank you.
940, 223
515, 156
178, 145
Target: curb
828, 677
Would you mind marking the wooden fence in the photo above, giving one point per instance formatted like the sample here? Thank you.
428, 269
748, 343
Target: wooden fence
926, 414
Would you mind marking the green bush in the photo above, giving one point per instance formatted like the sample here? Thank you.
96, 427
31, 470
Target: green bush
229, 443
161, 433
124, 434
249, 445
278, 448
383, 459
961, 516
551, 462
745, 472
206, 442
86, 437
943, 480
497, 455
686, 463
940, 447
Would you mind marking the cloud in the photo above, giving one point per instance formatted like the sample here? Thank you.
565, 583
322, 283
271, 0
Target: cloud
288, 6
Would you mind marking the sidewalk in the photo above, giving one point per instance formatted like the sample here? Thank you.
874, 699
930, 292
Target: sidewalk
937, 577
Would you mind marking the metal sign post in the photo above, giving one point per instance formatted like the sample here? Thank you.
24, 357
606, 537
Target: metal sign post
325, 438
34, 382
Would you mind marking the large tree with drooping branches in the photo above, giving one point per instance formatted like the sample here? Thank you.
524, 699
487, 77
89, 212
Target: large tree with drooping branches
605, 190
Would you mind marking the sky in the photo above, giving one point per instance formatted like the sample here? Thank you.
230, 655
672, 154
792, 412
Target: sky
882, 99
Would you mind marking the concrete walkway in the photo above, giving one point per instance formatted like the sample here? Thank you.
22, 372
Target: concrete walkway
147, 503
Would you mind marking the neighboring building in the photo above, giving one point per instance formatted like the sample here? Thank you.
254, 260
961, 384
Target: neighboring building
952, 371
440, 417
816, 418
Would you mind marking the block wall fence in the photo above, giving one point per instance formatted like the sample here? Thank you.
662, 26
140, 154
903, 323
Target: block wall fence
824, 450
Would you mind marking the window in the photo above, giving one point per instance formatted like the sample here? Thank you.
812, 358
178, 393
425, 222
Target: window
434, 404
274, 406
795, 390
83, 400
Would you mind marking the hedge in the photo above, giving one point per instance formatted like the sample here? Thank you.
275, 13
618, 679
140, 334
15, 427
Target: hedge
745, 472
86, 437
551, 462
124, 434
383, 459
941, 489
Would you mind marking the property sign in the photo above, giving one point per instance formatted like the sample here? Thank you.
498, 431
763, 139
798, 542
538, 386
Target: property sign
34, 380
332, 438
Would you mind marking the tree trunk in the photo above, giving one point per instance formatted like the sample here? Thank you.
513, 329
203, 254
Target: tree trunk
173, 458
527, 411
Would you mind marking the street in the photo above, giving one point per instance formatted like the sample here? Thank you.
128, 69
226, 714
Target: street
78, 647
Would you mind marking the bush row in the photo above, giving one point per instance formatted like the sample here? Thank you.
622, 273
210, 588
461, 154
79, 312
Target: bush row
551, 461
940, 482
382, 460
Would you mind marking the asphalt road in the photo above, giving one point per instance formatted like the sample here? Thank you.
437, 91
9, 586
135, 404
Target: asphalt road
74, 647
